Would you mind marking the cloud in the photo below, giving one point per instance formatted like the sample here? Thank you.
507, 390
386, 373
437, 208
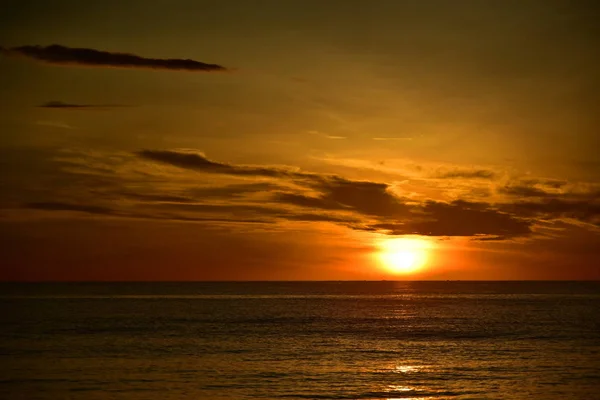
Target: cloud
254, 210
286, 195
555, 198
368, 198
173, 211
198, 162
544, 188
524, 191
587, 211
467, 174
238, 210
370, 205
59, 206
100, 210
63, 55
301, 200
336, 193
309, 217
191, 195
551, 183
382, 211
269, 213
458, 218
161, 198
63, 105
235, 190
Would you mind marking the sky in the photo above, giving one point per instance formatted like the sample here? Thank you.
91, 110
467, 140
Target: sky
299, 140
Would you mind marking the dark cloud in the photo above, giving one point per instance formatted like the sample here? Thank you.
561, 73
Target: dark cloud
586, 211
467, 174
478, 238
540, 199
397, 216
480, 192
188, 196
361, 205
524, 191
363, 197
161, 198
223, 213
236, 190
369, 198
553, 190
62, 55
237, 210
63, 105
99, 210
458, 218
370, 202
551, 183
59, 206
308, 217
301, 200
224, 220
265, 213
198, 162
461, 218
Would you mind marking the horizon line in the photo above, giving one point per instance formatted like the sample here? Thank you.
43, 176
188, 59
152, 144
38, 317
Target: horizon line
300, 281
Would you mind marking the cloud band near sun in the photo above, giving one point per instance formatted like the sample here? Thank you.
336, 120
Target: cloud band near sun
380, 210
268, 194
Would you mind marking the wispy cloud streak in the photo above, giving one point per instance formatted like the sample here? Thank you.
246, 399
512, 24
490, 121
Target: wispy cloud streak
63, 105
198, 162
63, 55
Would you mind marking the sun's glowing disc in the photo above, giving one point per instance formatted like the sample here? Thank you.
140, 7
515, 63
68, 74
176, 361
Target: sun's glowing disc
403, 256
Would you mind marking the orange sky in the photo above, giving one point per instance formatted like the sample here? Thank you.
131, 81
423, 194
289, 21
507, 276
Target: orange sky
289, 139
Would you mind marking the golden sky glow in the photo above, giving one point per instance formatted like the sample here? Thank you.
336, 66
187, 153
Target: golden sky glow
192, 140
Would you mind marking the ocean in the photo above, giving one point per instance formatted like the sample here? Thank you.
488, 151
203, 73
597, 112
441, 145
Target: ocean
300, 340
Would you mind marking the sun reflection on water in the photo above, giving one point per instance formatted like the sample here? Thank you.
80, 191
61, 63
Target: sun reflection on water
399, 388
411, 398
410, 369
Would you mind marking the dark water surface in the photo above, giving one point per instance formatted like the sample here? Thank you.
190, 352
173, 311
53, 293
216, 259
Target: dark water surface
300, 340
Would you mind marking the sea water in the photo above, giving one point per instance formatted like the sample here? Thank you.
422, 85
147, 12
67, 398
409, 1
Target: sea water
300, 340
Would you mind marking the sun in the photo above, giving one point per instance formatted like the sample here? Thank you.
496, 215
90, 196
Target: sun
404, 255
